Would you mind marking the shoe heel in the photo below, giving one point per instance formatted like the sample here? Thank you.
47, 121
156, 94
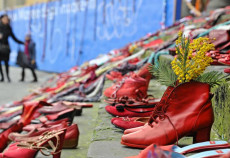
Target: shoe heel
202, 135
58, 155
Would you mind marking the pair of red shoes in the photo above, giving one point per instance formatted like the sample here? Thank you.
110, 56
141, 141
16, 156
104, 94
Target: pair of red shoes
177, 115
131, 86
126, 107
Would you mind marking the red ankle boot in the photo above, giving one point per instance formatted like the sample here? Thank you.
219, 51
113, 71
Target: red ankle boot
131, 87
144, 73
180, 115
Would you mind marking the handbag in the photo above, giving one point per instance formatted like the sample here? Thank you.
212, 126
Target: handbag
22, 59
4, 50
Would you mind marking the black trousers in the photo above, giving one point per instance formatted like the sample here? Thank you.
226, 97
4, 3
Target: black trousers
7, 70
33, 73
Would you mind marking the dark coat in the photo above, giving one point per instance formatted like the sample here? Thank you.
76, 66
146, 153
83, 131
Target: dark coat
32, 51
6, 31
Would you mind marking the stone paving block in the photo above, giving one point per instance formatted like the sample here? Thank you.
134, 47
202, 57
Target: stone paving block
110, 149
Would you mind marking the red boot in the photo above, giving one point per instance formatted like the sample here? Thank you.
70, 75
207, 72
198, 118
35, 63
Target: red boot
144, 73
131, 87
180, 115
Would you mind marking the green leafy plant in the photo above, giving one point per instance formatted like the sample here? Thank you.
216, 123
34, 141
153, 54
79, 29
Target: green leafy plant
164, 73
213, 78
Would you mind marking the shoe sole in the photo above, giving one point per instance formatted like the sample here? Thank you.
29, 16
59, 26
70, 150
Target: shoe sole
134, 145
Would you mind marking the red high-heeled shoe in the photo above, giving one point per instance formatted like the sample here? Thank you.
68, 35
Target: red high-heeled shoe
15, 136
4, 135
29, 147
71, 136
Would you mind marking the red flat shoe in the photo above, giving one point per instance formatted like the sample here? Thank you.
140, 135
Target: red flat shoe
114, 75
126, 101
227, 70
124, 111
127, 123
77, 104
181, 115
127, 87
225, 61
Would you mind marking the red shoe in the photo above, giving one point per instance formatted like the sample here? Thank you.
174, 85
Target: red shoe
126, 101
114, 75
70, 139
144, 73
30, 112
227, 70
31, 127
29, 147
127, 123
130, 87
15, 136
163, 100
6, 125
69, 113
127, 111
225, 61
153, 43
4, 135
181, 115
76, 104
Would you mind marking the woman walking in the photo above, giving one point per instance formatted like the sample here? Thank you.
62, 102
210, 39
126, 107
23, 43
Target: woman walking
5, 32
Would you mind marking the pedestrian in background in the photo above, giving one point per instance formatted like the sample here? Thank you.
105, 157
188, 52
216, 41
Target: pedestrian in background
30, 53
5, 32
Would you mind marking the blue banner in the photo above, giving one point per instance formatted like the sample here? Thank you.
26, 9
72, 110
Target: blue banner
70, 32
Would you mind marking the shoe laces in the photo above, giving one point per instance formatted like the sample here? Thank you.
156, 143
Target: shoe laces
117, 87
160, 113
